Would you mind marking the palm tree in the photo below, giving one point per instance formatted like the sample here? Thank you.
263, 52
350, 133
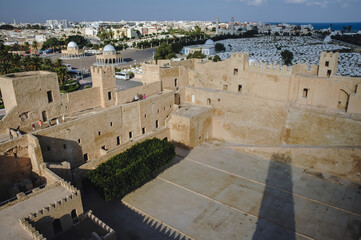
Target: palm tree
34, 45
58, 63
63, 74
26, 46
26, 63
47, 65
36, 63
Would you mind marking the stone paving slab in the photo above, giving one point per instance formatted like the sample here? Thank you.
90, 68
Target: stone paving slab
213, 188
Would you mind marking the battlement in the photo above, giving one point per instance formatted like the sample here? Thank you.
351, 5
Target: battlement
102, 69
329, 55
269, 68
48, 210
240, 55
100, 223
35, 234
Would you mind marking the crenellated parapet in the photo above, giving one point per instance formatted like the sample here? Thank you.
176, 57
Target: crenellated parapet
110, 232
52, 207
270, 68
35, 234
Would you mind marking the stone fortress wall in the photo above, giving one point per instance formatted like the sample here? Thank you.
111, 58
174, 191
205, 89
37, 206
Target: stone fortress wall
272, 111
299, 108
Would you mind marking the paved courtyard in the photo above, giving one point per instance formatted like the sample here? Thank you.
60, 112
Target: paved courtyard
214, 192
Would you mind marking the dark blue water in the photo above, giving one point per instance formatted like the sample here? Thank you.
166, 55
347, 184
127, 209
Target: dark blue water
355, 26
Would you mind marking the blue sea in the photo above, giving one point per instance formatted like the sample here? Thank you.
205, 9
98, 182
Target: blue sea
355, 26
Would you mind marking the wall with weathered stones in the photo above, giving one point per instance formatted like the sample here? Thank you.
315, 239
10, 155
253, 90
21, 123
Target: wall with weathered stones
103, 129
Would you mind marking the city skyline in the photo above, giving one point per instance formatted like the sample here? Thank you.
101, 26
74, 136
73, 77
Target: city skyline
187, 10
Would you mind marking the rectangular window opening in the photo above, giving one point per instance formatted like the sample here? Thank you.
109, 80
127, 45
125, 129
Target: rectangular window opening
143, 130
239, 88
45, 116
79, 140
305, 92
118, 140
85, 157
329, 73
50, 96
327, 63
175, 82
130, 134
235, 71
99, 133
109, 95
111, 124
156, 124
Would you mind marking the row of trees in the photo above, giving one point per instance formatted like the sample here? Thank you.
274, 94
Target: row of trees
58, 43
125, 171
12, 63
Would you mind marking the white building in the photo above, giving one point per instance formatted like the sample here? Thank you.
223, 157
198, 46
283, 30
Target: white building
207, 49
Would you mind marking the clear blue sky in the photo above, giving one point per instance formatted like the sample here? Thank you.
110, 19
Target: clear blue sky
242, 10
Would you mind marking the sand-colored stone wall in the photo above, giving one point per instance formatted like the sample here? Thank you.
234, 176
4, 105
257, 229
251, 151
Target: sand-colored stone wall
127, 95
310, 127
241, 119
81, 100
104, 129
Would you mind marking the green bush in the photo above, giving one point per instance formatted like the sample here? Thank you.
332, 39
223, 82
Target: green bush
121, 173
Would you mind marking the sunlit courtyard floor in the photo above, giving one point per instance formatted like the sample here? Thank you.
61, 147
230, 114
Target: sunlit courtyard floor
215, 192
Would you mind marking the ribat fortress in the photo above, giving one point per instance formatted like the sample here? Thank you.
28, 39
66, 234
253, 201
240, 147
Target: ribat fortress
303, 112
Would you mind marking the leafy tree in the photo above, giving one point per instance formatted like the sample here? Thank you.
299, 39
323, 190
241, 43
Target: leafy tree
219, 47
125, 171
51, 42
164, 51
196, 54
287, 57
80, 40
216, 58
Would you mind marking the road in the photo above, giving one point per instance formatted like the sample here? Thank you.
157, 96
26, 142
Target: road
131, 56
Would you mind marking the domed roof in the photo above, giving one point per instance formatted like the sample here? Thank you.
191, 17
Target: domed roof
72, 45
209, 42
109, 48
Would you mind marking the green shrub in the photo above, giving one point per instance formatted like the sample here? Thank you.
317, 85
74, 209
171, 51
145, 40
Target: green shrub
121, 173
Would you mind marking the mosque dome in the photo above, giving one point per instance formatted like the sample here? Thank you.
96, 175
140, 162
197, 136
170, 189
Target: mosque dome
109, 49
72, 45
209, 42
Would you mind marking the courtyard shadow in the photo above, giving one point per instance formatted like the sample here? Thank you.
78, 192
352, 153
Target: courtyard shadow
277, 215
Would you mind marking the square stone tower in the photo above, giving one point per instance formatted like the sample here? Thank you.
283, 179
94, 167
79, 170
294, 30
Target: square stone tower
328, 64
104, 78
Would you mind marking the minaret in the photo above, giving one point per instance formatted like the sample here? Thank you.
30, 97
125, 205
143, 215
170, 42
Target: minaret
232, 25
217, 26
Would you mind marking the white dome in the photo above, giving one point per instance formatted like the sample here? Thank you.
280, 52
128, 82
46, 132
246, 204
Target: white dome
209, 42
72, 45
109, 48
